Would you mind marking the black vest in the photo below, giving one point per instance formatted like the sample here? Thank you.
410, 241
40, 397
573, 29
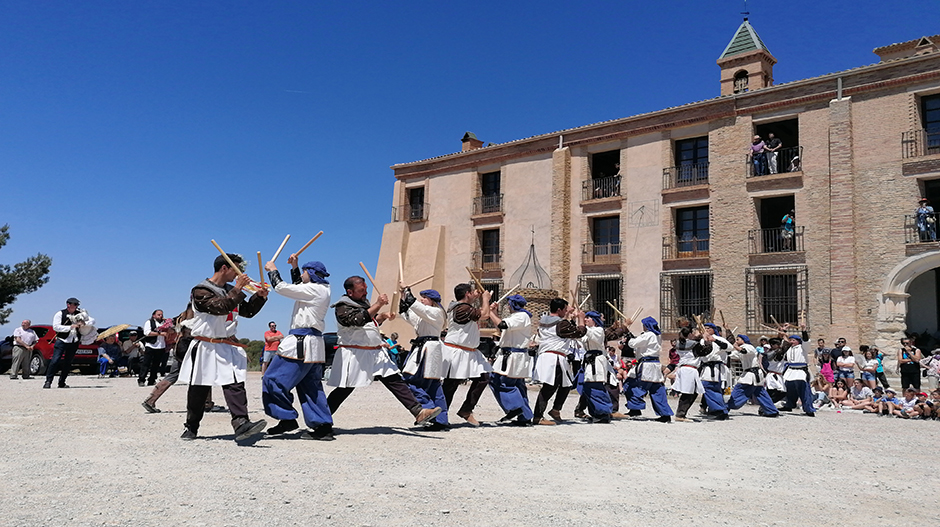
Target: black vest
65, 318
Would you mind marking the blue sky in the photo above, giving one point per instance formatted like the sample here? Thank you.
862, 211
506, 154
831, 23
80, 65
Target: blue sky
134, 132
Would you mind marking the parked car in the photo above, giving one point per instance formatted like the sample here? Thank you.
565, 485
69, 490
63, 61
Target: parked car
86, 358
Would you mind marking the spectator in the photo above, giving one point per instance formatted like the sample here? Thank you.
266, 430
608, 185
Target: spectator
909, 359
931, 365
880, 373
788, 230
771, 149
821, 387
926, 221
108, 351
673, 356
154, 348
906, 407
23, 341
820, 348
839, 393
758, 158
131, 351
272, 339
924, 406
826, 366
869, 369
877, 396
859, 396
884, 405
397, 353
845, 365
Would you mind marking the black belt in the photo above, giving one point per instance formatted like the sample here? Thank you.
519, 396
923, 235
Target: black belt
711, 366
417, 344
590, 356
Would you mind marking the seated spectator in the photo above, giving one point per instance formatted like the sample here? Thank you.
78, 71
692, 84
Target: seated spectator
845, 365
870, 369
105, 351
821, 386
878, 395
839, 393
906, 407
884, 404
133, 349
924, 406
859, 396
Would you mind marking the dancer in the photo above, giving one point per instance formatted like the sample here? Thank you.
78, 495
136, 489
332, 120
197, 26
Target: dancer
300, 356
796, 377
360, 357
715, 373
214, 356
424, 366
552, 367
751, 383
776, 363
688, 381
462, 359
596, 371
183, 323
647, 377
513, 363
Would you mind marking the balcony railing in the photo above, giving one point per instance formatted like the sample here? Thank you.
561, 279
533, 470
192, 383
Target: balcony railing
921, 228
487, 204
675, 247
685, 176
775, 240
411, 212
488, 261
916, 143
608, 253
788, 160
597, 188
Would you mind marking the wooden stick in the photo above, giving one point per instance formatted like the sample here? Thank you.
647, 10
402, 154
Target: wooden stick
698, 322
419, 281
281, 248
636, 313
304, 248
621, 315
366, 271
581, 305
228, 260
261, 269
475, 279
507, 294
770, 327
574, 297
401, 269
722, 315
733, 331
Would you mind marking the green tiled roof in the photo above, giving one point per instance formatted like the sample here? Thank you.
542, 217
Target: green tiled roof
745, 40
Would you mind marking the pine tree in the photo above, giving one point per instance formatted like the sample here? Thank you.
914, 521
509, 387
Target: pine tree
24, 277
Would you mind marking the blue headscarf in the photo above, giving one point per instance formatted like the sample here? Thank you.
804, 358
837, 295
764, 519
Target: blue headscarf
715, 328
316, 271
517, 303
431, 294
650, 324
745, 339
797, 337
596, 317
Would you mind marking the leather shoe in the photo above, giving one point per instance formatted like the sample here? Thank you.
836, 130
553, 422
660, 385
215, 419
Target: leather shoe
426, 415
618, 415
188, 435
511, 415
555, 414
284, 426
320, 433
248, 429
469, 418
546, 422
151, 409
578, 414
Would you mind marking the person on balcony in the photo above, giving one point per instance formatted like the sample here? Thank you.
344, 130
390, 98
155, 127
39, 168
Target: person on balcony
771, 149
926, 221
758, 158
788, 230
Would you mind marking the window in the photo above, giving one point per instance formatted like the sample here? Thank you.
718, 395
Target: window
605, 238
776, 294
416, 203
740, 82
692, 232
930, 109
490, 198
789, 156
691, 161
489, 245
605, 176
683, 295
603, 288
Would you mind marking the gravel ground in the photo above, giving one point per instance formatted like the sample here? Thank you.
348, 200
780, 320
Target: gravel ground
90, 455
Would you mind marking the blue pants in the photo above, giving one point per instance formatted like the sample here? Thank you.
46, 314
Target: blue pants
802, 391
714, 397
657, 393
102, 365
511, 394
62, 355
284, 375
742, 393
429, 393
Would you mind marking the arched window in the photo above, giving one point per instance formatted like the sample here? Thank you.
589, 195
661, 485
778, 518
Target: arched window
740, 82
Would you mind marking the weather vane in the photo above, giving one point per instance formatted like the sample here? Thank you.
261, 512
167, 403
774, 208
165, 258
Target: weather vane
746, 13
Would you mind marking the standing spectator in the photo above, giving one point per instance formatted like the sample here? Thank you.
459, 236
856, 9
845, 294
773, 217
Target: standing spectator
154, 348
926, 221
820, 348
67, 325
826, 366
909, 359
870, 369
23, 341
788, 230
757, 156
771, 148
272, 339
880, 372
931, 365
845, 365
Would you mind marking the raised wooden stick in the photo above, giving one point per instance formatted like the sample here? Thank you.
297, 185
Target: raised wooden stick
636, 313
774, 320
733, 331
475, 279
260, 269
401, 268
366, 271
393, 305
621, 315
723, 325
228, 260
698, 322
770, 327
504, 297
581, 305
281, 248
419, 281
304, 248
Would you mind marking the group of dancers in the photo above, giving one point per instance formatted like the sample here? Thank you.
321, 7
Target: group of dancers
565, 349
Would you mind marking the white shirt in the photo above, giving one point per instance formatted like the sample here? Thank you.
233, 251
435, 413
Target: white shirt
149, 328
28, 336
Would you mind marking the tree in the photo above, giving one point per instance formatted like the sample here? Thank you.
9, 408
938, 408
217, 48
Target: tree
254, 349
24, 277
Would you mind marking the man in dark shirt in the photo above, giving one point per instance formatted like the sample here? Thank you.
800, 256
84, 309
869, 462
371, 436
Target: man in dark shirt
772, 147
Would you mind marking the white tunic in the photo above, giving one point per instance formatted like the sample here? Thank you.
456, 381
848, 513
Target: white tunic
553, 352
796, 364
210, 364
599, 369
428, 321
311, 303
647, 345
717, 371
688, 380
774, 379
360, 356
462, 359
516, 336
750, 360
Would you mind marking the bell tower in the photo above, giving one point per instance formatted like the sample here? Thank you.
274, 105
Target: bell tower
746, 63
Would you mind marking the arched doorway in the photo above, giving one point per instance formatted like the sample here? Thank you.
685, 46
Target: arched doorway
909, 300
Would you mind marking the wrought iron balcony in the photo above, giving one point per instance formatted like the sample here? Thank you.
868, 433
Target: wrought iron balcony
488, 261
487, 204
675, 247
685, 176
788, 160
775, 240
921, 228
916, 143
598, 188
411, 212
608, 253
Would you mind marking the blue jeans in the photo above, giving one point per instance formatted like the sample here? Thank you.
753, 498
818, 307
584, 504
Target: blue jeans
760, 164
62, 355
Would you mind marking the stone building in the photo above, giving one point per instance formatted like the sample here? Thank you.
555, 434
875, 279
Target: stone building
666, 211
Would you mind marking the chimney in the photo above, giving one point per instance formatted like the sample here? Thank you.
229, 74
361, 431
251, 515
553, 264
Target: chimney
470, 142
